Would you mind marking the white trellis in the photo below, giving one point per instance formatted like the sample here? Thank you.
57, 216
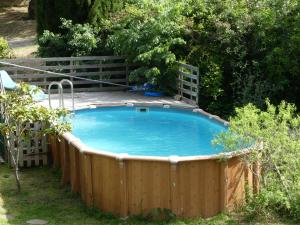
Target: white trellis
33, 151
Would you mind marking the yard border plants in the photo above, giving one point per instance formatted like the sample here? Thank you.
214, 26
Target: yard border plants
19, 110
277, 152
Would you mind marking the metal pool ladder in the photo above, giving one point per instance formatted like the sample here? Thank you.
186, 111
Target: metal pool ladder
61, 92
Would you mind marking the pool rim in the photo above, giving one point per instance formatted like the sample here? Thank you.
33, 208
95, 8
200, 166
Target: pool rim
173, 159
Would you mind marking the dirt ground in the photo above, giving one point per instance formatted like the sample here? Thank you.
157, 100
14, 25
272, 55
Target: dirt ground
18, 30
6, 3
15, 25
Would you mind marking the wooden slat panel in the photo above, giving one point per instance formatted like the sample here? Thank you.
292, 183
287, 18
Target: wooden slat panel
65, 179
236, 183
69, 67
188, 83
77, 74
86, 185
199, 188
106, 183
102, 67
53, 59
148, 186
74, 169
82, 82
193, 68
192, 76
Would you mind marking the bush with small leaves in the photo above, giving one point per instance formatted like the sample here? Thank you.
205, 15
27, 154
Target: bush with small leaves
73, 40
5, 51
273, 136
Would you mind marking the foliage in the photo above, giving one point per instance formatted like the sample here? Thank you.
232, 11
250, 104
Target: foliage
49, 12
101, 9
148, 34
74, 40
274, 137
19, 111
5, 51
246, 51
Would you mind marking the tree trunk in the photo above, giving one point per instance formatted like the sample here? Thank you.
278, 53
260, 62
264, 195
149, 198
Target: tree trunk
17, 178
31, 9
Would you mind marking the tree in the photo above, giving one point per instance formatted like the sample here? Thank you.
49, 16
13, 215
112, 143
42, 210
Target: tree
149, 34
31, 9
101, 9
49, 12
19, 110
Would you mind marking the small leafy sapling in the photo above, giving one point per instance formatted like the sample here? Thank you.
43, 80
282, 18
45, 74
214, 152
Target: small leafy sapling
19, 111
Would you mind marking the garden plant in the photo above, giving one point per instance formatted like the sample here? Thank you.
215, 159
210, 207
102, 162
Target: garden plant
273, 136
19, 110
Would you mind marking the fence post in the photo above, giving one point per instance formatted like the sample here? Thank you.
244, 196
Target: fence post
101, 71
188, 87
127, 73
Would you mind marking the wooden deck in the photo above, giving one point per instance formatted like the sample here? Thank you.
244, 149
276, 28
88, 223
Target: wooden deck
83, 99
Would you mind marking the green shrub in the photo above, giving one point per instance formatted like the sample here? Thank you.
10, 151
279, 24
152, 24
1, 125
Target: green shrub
148, 33
246, 51
274, 137
73, 40
5, 51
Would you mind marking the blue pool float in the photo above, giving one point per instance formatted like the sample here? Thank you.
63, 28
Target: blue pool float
154, 94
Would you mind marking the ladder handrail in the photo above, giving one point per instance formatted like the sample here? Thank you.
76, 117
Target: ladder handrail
2, 85
72, 91
60, 92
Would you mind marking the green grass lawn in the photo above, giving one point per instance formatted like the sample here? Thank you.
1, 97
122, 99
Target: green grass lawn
43, 197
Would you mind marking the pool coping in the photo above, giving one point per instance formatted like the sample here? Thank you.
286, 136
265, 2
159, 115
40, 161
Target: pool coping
77, 143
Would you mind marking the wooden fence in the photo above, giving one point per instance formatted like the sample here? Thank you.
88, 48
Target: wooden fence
112, 69
188, 83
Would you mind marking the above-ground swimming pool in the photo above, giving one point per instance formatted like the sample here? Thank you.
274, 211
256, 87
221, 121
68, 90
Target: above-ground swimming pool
148, 131
129, 159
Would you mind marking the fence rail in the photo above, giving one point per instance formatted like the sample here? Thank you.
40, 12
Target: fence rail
188, 83
112, 69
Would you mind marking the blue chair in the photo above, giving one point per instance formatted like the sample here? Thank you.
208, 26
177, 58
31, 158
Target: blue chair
9, 84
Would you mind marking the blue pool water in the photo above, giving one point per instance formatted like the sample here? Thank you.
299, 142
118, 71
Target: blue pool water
156, 132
